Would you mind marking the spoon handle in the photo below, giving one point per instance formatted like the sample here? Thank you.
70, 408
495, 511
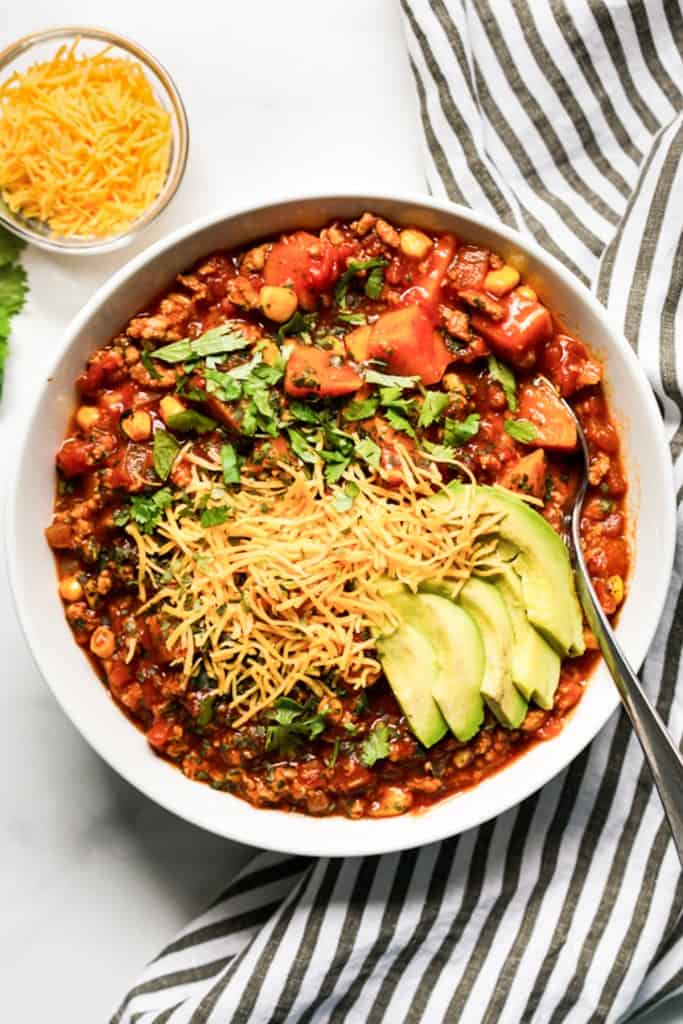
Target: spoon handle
664, 759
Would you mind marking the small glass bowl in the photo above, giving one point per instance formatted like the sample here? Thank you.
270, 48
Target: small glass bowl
41, 46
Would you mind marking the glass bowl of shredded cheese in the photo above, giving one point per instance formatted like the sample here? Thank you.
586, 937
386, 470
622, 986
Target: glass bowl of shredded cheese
93, 139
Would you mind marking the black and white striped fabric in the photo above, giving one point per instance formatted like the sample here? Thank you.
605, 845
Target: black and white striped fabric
563, 118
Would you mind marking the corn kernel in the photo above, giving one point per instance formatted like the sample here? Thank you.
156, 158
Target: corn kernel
415, 243
278, 304
102, 642
500, 282
87, 416
616, 587
70, 589
170, 406
137, 426
525, 292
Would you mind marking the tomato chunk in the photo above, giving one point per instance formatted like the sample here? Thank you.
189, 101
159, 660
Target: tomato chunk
319, 372
526, 325
470, 268
406, 341
307, 263
540, 404
427, 289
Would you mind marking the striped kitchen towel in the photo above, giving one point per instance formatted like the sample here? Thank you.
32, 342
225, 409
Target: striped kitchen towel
563, 119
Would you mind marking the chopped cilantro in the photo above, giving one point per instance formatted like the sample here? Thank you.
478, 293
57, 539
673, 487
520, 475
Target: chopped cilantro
344, 498
375, 745
218, 340
299, 323
300, 446
303, 412
440, 452
505, 377
205, 710
145, 510
292, 724
390, 380
355, 319
368, 451
223, 385
374, 283
230, 464
362, 704
457, 432
215, 516
433, 407
399, 422
332, 759
361, 410
165, 450
521, 430
146, 360
354, 267
189, 420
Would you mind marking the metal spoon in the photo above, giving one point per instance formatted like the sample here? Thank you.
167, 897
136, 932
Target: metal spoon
661, 753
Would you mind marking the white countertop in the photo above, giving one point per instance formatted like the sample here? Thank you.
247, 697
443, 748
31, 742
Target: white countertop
311, 95
94, 878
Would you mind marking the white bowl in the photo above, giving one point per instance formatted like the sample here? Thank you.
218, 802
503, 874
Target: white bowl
87, 702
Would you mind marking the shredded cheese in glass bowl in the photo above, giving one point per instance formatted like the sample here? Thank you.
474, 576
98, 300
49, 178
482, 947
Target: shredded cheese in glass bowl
93, 139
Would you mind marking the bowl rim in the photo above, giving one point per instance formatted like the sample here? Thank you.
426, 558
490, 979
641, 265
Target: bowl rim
180, 138
424, 830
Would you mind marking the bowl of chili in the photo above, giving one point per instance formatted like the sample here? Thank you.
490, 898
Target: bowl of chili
353, 772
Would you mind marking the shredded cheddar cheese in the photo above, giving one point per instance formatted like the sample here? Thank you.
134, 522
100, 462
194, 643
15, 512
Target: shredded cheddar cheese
288, 590
84, 143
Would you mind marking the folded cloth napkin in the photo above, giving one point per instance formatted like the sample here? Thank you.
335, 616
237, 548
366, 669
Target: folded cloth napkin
563, 119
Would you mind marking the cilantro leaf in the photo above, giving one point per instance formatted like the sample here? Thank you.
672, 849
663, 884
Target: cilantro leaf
292, 724
223, 385
389, 380
345, 497
361, 410
434, 405
303, 412
336, 464
505, 377
215, 516
375, 283
216, 341
230, 464
354, 267
521, 430
300, 446
299, 323
189, 420
368, 451
375, 745
399, 422
356, 319
205, 710
165, 450
145, 510
440, 452
457, 432
146, 360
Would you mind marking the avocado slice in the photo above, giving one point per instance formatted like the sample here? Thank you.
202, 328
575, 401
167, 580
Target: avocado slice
541, 562
535, 664
456, 688
484, 603
410, 664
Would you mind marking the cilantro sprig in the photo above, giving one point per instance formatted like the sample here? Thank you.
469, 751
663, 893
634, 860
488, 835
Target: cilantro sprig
292, 723
521, 430
375, 745
217, 341
145, 510
373, 282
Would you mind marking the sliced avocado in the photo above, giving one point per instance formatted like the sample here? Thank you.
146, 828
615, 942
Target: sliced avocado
486, 606
410, 664
535, 664
542, 563
457, 686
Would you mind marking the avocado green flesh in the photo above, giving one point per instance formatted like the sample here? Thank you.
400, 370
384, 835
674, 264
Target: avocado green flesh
457, 687
486, 606
535, 664
542, 563
410, 664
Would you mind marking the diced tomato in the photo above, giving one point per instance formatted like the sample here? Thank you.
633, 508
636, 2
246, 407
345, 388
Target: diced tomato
75, 457
566, 361
540, 404
118, 676
319, 372
406, 341
307, 263
427, 289
515, 338
470, 268
160, 733
105, 367
526, 476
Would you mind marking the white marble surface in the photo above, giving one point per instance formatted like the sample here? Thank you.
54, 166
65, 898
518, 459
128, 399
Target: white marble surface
301, 96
